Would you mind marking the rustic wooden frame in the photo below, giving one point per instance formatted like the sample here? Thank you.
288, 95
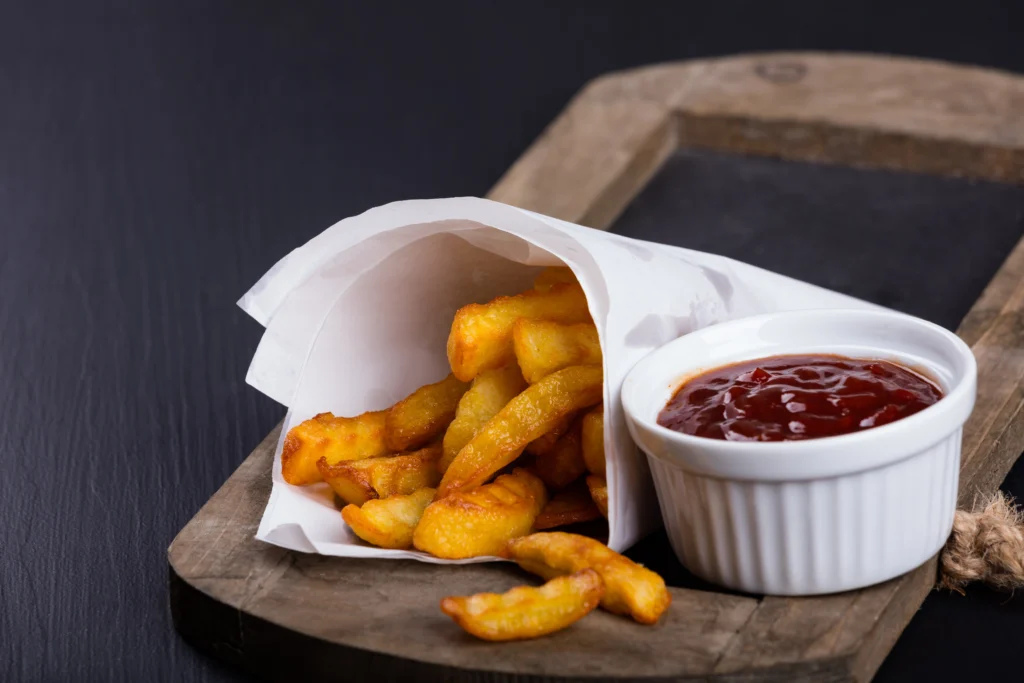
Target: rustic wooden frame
290, 616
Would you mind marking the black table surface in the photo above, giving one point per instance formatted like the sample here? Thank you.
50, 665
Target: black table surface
156, 158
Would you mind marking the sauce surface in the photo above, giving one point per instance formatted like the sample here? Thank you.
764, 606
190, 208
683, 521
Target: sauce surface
792, 398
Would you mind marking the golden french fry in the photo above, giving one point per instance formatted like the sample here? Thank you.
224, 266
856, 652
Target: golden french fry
358, 481
593, 441
563, 464
334, 439
388, 522
543, 347
555, 275
629, 588
571, 506
527, 612
423, 414
527, 416
480, 521
599, 492
481, 334
491, 390
543, 444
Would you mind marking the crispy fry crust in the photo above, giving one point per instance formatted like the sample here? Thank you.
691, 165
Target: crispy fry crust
527, 416
334, 439
543, 444
543, 347
388, 522
599, 493
571, 506
423, 414
358, 481
481, 334
552, 276
527, 612
593, 441
491, 390
629, 588
480, 521
563, 464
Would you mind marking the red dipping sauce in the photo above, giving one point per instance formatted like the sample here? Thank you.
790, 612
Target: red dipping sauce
791, 398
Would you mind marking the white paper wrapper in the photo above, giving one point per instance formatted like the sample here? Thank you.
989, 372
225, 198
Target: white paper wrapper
358, 318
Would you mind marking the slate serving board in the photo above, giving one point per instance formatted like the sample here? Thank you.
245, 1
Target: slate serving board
287, 616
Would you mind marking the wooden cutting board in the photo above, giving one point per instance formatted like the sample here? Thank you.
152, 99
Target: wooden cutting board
289, 616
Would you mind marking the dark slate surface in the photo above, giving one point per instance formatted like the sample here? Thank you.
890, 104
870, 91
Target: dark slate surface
156, 158
920, 244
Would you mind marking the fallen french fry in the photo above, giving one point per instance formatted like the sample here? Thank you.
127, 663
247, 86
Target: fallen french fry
543, 444
491, 390
481, 521
388, 522
543, 347
555, 275
358, 481
423, 414
593, 441
563, 464
629, 588
527, 416
599, 493
570, 506
481, 334
527, 612
334, 439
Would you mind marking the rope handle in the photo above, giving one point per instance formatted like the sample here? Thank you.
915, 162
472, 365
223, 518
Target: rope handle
986, 546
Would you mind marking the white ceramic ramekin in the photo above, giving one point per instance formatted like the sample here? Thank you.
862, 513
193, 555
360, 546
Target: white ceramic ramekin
815, 516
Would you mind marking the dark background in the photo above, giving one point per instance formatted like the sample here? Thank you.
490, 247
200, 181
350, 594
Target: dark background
157, 157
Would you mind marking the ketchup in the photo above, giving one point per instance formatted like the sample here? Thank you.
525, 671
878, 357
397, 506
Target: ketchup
791, 398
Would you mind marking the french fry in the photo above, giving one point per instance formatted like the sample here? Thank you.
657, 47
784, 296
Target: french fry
543, 444
599, 493
388, 522
527, 612
593, 441
358, 481
334, 439
629, 588
543, 347
491, 390
481, 334
527, 416
571, 506
482, 520
423, 414
563, 464
555, 275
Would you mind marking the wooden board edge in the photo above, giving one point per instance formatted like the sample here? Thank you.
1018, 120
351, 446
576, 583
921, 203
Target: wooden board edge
994, 438
924, 117
272, 652
831, 143
593, 159
248, 470
217, 582
994, 435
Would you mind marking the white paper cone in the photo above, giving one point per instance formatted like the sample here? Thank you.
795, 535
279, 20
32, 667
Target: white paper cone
359, 317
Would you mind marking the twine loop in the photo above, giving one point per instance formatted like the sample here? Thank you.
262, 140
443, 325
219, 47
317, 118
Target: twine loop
987, 546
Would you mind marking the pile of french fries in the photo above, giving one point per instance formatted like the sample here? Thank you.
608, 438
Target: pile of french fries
510, 443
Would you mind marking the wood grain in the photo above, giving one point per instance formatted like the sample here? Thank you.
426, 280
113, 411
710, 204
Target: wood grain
995, 432
360, 610
869, 111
